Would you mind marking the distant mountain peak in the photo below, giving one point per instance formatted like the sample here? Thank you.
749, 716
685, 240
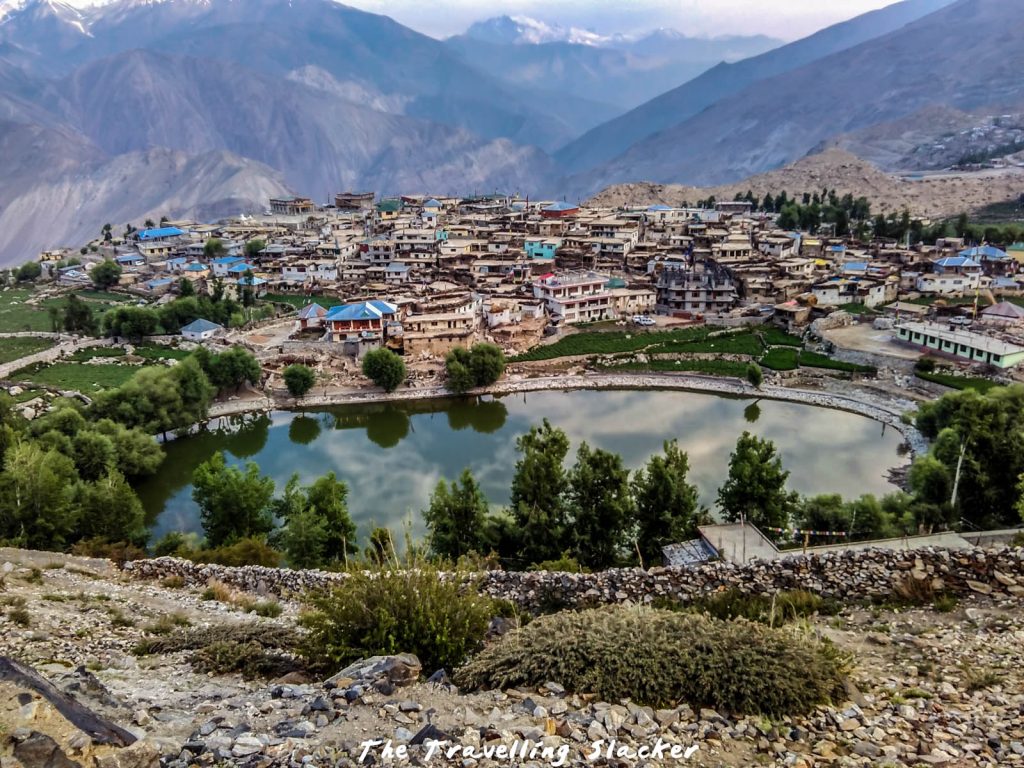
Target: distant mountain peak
40, 10
526, 30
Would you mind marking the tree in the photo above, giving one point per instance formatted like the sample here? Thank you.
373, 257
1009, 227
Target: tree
233, 504
456, 517
30, 270
56, 318
303, 539
755, 375
106, 274
148, 224
35, 496
214, 248
539, 487
137, 454
601, 507
299, 379
253, 247
328, 498
384, 368
185, 287
480, 366
94, 454
755, 489
666, 502
78, 317
109, 509
133, 323
232, 368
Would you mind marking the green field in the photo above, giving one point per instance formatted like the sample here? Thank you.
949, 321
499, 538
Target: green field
709, 367
616, 342
957, 382
776, 337
17, 316
815, 360
17, 348
81, 376
781, 359
161, 352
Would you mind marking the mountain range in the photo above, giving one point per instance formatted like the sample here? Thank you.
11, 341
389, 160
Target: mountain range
143, 108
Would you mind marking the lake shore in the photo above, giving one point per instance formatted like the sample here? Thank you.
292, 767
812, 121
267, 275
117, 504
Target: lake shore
886, 410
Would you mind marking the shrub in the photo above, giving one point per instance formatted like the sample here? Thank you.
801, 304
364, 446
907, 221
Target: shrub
659, 658
250, 551
384, 368
167, 624
388, 611
299, 379
773, 610
19, 616
265, 635
925, 365
120, 552
755, 375
250, 659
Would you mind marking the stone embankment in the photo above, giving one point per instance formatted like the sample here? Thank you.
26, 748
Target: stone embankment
861, 575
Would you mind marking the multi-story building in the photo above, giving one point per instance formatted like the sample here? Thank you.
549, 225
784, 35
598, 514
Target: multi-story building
704, 288
575, 297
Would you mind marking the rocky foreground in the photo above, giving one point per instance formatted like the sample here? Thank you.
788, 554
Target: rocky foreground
940, 685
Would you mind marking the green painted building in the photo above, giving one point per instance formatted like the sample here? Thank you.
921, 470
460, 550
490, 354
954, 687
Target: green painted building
964, 345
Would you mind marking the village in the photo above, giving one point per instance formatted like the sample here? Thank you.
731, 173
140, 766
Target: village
422, 276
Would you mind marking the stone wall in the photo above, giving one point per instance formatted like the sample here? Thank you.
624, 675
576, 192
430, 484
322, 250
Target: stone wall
53, 354
864, 574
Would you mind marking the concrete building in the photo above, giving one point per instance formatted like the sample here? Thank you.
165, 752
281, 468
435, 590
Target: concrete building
575, 297
704, 288
964, 345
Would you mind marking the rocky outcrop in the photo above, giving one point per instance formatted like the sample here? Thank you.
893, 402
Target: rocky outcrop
861, 575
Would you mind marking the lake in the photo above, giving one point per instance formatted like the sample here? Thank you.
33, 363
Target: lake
392, 454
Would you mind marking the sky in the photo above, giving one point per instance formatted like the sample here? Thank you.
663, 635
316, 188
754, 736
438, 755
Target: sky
784, 19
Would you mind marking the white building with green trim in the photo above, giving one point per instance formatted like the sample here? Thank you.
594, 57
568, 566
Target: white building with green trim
965, 345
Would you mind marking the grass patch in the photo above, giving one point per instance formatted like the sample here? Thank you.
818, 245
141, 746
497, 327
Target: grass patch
160, 352
16, 315
167, 624
815, 360
614, 342
251, 660
980, 679
776, 337
773, 610
660, 658
16, 348
957, 382
81, 355
78, 376
19, 616
781, 359
185, 639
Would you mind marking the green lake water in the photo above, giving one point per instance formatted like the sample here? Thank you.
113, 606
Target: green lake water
392, 455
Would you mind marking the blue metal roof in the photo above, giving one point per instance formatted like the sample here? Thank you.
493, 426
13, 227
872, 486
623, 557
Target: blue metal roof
195, 266
364, 310
561, 205
432, 203
243, 267
152, 234
985, 252
855, 266
201, 326
227, 260
956, 261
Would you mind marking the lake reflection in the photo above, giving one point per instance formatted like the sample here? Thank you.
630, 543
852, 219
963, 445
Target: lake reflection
392, 454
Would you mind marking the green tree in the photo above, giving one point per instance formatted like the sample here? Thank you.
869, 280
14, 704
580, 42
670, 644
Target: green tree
30, 270
666, 502
601, 507
214, 249
35, 497
253, 247
233, 504
94, 454
755, 489
303, 539
137, 453
384, 368
78, 317
328, 498
458, 376
134, 323
109, 509
487, 363
539, 488
106, 274
299, 379
185, 287
755, 375
456, 517
233, 368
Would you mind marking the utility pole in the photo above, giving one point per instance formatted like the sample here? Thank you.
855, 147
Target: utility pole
956, 477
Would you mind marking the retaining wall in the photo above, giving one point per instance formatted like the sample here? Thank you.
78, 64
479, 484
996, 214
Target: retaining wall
859, 575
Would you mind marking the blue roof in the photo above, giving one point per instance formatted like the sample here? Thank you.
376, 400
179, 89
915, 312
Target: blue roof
561, 205
855, 266
178, 260
227, 260
129, 257
159, 281
985, 252
312, 310
837, 248
956, 261
1004, 282
251, 281
152, 234
195, 266
432, 203
243, 267
364, 310
660, 207
201, 326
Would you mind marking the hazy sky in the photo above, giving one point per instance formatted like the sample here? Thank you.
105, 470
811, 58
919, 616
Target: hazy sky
786, 19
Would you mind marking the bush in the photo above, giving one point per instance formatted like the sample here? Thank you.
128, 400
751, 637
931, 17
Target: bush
659, 658
249, 551
266, 635
250, 659
925, 365
120, 552
384, 368
299, 379
480, 366
754, 375
390, 611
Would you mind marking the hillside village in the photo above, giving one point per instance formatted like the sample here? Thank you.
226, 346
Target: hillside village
422, 275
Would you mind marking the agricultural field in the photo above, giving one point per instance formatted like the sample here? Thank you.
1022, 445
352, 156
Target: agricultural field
781, 359
708, 367
84, 377
957, 382
816, 360
17, 348
16, 315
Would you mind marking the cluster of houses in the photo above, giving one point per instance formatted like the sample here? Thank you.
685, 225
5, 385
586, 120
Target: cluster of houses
422, 274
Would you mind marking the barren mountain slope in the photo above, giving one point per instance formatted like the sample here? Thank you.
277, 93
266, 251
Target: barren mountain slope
931, 196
